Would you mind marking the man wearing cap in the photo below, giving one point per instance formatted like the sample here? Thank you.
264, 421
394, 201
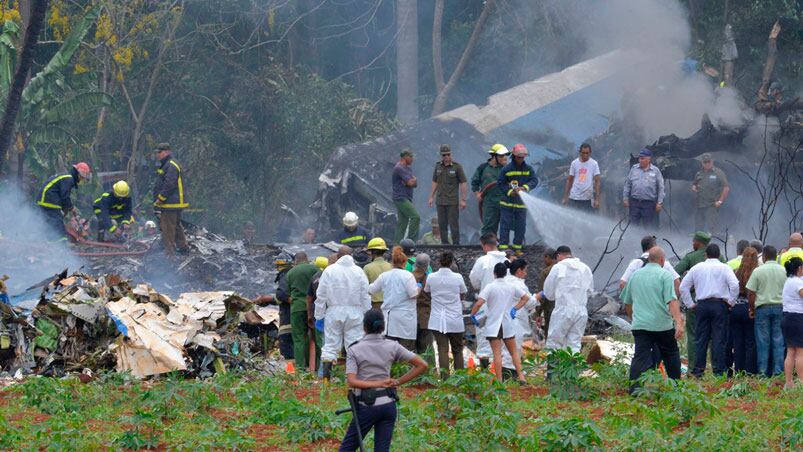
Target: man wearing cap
644, 192
488, 193
582, 188
169, 200
403, 183
516, 177
447, 179
711, 186
434, 236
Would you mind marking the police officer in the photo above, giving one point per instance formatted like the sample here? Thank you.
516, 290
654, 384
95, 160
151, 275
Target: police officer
113, 209
368, 363
353, 234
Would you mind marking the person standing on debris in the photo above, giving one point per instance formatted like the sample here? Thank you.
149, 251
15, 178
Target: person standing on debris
378, 265
283, 263
353, 234
792, 323
399, 306
734, 263
482, 274
488, 193
368, 364
54, 198
340, 306
404, 182
652, 304
423, 337
795, 248
446, 319
644, 192
517, 273
298, 282
741, 328
516, 177
113, 209
447, 180
504, 300
711, 186
433, 237
545, 305
647, 243
582, 190
765, 299
570, 283
716, 290
699, 242
169, 200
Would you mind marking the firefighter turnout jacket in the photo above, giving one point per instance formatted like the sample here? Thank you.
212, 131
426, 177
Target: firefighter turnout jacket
356, 238
56, 192
169, 192
513, 175
109, 207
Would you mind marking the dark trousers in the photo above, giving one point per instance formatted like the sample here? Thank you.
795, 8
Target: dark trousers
409, 344
382, 418
516, 220
423, 345
585, 206
172, 231
54, 219
742, 339
642, 213
445, 341
546, 306
449, 220
712, 325
646, 343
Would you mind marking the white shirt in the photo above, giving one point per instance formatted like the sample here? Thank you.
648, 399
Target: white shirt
482, 273
399, 291
523, 327
710, 279
570, 283
342, 284
792, 301
446, 287
499, 297
637, 264
584, 173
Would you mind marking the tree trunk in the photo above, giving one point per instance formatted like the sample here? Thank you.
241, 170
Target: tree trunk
407, 61
437, 62
772, 56
443, 95
14, 99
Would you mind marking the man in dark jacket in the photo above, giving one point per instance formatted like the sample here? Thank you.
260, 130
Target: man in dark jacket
113, 209
516, 177
483, 184
283, 263
169, 200
54, 198
352, 233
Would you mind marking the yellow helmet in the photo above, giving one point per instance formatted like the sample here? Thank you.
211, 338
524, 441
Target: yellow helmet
321, 262
121, 189
498, 149
377, 244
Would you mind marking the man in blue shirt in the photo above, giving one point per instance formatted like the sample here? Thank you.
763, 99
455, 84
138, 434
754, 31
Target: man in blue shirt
643, 194
403, 183
516, 177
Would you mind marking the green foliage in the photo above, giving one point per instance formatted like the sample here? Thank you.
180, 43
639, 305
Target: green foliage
792, 430
565, 367
50, 395
569, 434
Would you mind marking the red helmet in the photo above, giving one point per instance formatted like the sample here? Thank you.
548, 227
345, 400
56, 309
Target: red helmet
520, 151
83, 169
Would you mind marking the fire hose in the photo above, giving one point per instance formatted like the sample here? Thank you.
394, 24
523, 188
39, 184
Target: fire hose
122, 250
482, 195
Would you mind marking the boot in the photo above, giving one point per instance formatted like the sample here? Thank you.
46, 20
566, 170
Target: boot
485, 362
326, 367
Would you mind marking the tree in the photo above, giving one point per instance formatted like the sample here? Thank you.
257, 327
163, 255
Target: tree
407, 61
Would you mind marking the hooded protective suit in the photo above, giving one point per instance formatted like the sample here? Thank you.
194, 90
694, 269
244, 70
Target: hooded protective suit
523, 327
482, 274
570, 283
342, 300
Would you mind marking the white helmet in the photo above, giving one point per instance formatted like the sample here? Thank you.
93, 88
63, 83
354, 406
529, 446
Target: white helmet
350, 219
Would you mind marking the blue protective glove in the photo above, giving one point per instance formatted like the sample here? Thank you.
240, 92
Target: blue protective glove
513, 312
319, 325
475, 321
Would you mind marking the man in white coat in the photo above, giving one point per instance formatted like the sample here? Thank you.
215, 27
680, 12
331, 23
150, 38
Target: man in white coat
481, 275
570, 283
342, 301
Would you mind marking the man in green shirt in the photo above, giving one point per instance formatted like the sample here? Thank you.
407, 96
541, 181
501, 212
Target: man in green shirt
711, 186
698, 244
378, 265
652, 303
764, 289
449, 191
298, 282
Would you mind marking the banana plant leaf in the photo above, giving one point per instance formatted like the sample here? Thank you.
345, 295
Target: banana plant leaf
77, 105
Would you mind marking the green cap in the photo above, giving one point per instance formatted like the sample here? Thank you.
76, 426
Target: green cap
405, 152
706, 157
702, 237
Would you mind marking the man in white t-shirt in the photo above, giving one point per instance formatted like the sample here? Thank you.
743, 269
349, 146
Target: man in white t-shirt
582, 188
647, 243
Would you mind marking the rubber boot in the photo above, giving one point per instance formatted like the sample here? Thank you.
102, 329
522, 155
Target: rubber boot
326, 367
485, 362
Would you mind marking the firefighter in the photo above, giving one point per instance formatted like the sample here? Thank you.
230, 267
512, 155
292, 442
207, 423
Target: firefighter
488, 194
283, 263
113, 209
353, 235
54, 199
516, 177
169, 200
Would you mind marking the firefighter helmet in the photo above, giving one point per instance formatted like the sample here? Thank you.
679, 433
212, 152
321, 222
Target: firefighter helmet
121, 189
378, 244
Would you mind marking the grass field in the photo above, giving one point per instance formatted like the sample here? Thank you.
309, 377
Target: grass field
467, 412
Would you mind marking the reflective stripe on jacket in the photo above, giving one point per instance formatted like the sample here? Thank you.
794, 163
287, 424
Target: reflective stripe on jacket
56, 192
109, 207
355, 239
523, 176
169, 188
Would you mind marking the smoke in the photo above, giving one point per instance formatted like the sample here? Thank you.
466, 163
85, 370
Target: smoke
25, 255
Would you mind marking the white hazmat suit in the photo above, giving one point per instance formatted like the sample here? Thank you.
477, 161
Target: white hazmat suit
570, 283
342, 300
482, 274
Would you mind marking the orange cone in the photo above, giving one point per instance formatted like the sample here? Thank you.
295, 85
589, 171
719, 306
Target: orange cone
491, 368
291, 368
471, 364
661, 368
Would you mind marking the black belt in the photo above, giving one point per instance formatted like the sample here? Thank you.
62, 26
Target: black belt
369, 396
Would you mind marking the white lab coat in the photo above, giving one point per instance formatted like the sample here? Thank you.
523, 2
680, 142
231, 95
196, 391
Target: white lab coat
499, 297
446, 287
482, 274
341, 300
399, 292
570, 283
522, 323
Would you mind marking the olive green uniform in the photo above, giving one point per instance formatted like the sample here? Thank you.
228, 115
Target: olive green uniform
709, 187
298, 281
483, 177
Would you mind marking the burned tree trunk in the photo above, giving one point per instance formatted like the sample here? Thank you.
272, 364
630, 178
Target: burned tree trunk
407, 61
